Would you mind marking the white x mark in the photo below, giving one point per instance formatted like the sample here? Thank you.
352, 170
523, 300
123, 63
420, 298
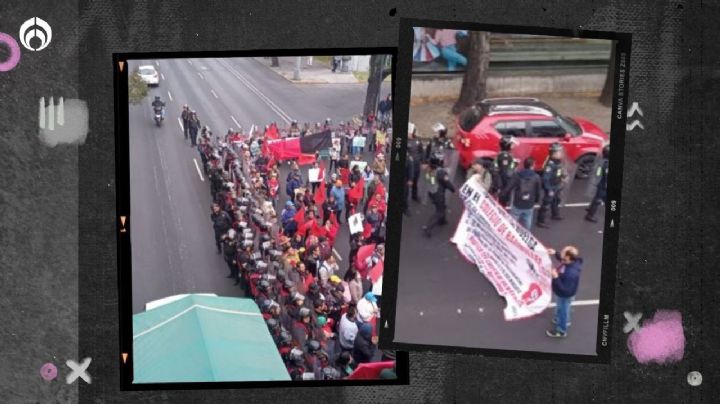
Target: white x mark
78, 371
633, 322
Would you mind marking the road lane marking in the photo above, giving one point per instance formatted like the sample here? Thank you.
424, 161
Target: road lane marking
579, 303
201, 76
339, 258
190, 61
198, 170
162, 76
157, 63
213, 93
170, 96
236, 122
182, 129
282, 114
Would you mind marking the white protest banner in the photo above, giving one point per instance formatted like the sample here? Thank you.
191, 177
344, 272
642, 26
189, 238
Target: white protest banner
361, 164
508, 255
359, 141
356, 223
314, 175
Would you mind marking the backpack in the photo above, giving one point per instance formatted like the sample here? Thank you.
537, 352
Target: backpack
526, 188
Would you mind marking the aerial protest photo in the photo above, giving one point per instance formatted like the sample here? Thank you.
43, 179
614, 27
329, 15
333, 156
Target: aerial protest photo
505, 175
258, 195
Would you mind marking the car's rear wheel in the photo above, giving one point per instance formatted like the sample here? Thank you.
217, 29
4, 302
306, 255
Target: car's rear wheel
584, 166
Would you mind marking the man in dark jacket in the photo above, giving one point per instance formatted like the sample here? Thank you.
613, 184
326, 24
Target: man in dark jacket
185, 115
229, 246
221, 224
565, 282
525, 188
193, 128
417, 151
409, 182
363, 347
438, 181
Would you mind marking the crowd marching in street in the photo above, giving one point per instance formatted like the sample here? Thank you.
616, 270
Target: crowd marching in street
517, 189
277, 233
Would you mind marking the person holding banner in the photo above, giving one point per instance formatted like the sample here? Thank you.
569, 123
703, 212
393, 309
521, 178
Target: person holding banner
437, 182
565, 282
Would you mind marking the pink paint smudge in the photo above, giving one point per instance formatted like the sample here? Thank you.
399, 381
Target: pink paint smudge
660, 340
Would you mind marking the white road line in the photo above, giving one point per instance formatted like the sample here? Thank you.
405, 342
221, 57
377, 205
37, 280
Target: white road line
190, 61
162, 76
236, 122
201, 76
339, 258
213, 93
580, 303
194, 306
198, 170
170, 96
282, 114
157, 63
182, 129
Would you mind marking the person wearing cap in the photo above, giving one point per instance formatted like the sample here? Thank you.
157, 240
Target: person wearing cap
185, 116
565, 280
438, 181
415, 149
367, 307
364, 347
601, 174
553, 181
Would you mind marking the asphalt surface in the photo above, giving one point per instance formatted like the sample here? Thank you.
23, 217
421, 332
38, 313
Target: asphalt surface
444, 300
173, 248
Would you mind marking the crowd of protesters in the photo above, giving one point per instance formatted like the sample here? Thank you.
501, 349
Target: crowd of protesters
277, 236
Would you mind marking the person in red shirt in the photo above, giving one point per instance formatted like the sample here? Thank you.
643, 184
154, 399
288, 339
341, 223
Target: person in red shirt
378, 202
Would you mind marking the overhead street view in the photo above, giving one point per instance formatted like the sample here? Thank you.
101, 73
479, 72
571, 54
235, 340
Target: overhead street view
258, 200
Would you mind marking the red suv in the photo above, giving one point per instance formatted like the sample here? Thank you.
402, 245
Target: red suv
534, 125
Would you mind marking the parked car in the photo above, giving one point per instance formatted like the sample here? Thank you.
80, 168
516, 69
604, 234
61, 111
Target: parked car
149, 75
534, 126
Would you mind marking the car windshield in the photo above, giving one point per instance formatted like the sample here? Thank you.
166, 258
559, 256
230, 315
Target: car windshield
147, 71
569, 125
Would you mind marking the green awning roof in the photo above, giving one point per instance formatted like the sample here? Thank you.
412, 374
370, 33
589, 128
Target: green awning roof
201, 338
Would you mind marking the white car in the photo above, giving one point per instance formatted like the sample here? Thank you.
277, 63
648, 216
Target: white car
149, 75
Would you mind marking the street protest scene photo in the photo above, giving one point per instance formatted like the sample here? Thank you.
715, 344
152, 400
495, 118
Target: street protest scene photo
505, 182
258, 193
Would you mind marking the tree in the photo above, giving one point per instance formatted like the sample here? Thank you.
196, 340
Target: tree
606, 95
274, 62
378, 72
474, 85
137, 88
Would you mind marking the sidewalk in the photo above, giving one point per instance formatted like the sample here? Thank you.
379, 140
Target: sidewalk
318, 73
424, 113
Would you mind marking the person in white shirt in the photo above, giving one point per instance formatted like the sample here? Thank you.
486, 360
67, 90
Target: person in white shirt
348, 329
328, 269
367, 307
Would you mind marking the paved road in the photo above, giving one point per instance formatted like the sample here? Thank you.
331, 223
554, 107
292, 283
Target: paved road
173, 249
432, 290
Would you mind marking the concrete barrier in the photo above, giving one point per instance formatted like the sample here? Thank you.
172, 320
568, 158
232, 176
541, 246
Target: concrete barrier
439, 87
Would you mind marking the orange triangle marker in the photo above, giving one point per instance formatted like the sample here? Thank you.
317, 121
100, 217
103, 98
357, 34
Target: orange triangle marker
122, 64
124, 356
122, 220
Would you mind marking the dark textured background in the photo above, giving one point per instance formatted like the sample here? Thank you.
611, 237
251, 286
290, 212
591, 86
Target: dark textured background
58, 279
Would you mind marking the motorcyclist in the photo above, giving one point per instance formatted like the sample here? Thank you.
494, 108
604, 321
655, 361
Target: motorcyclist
159, 106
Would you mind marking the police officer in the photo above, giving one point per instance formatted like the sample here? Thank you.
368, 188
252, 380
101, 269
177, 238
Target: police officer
503, 169
415, 149
601, 191
553, 180
229, 247
438, 181
439, 142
